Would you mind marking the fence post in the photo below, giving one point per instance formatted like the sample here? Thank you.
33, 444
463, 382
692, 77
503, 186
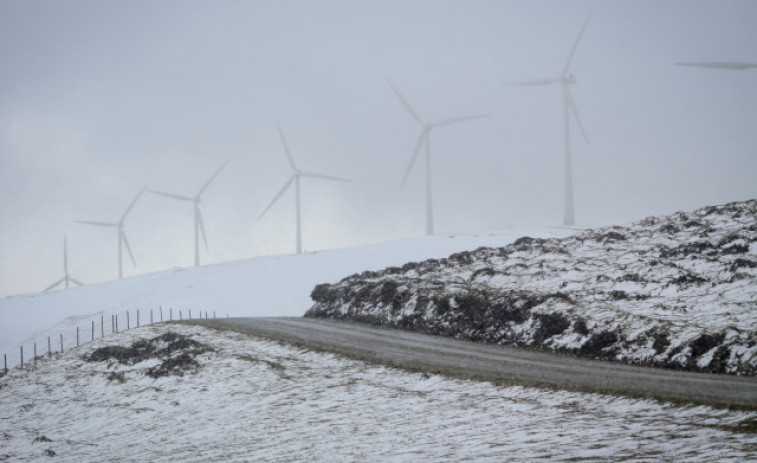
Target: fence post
93, 330
116, 315
22, 356
112, 324
170, 314
102, 326
49, 348
35, 352
161, 314
151, 316
5, 363
180, 317
190, 314
61, 343
137, 318
214, 314
77, 336
127, 320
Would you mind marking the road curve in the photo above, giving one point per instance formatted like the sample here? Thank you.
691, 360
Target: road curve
500, 364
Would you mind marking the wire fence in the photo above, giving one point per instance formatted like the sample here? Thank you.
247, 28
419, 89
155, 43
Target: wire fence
29, 353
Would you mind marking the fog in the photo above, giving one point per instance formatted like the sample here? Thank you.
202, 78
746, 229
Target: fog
99, 99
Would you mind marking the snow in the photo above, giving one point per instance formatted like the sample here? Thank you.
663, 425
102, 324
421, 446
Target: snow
264, 286
257, 400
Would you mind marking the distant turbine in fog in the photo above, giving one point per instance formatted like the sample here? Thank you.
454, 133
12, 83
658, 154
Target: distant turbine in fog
296, 175
122, 240
565, 80
196, 200
66, 277
729, 65
425, 139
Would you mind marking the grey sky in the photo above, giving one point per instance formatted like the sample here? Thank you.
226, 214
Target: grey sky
101, 98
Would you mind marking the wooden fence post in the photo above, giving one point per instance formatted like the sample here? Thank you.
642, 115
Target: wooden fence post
93, 330
180, 317
102, 326
22, 356
116, 323
127, 320
151, 316
170, 314
5, 363
61, 343
77, 336
49, 348
190, 314
35, 353
137, 318
161, 314
214, 314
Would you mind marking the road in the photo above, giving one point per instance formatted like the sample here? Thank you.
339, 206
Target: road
499, 364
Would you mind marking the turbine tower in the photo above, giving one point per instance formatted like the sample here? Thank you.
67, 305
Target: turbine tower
297, 174
727, 65
569, 107
196, 200
122, 240
425, 139
67, 279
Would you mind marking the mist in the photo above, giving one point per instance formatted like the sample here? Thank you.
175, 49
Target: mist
99, 100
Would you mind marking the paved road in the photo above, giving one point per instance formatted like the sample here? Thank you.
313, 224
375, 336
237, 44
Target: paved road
500, 364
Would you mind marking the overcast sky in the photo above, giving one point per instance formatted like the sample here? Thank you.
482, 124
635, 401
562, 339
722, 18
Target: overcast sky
100, 98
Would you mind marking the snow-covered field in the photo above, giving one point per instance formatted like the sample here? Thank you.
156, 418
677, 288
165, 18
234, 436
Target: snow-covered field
256, 400
264, 286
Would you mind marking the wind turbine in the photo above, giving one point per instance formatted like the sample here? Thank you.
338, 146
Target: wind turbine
728, 65
295, 178
122, 240
569, 107
66, 277
196, 200
425, 139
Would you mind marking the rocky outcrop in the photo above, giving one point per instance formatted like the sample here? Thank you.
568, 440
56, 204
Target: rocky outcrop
678, 291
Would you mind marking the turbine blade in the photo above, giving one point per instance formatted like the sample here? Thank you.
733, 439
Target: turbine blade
171, 195
54, 285
202, 226
65, 255
128, 248
455, 120
575, 45
286, 147
76, 281
278, 195
213, 177
99, 224
324, 176
128, 209
574, 110
407, 104
418, 146
730, 65
534, 82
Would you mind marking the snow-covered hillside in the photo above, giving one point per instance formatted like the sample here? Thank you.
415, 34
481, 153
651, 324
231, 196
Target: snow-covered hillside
265, 286
677, 291
249, 400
